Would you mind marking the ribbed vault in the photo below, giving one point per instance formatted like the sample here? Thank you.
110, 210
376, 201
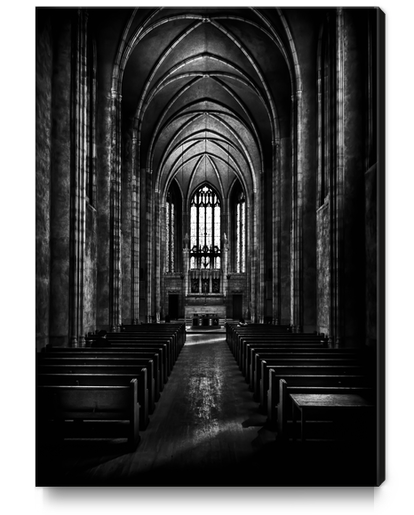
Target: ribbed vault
205, 93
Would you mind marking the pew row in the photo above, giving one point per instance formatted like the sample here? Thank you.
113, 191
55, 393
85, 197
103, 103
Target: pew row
98, 408
140, 372
102, 379
285, 410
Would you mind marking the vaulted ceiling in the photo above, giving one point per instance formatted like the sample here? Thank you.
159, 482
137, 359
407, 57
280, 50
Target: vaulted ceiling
206, 90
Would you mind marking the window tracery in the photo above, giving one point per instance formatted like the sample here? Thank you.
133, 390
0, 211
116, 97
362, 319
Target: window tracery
205, 213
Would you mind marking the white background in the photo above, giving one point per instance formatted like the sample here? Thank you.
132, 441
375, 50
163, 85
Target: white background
17, 204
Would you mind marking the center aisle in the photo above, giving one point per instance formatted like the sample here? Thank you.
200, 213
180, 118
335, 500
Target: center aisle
206, 429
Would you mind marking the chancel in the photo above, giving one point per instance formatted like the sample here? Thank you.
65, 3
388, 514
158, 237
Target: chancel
208, 245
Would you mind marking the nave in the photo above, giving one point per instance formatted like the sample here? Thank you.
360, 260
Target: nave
205, 431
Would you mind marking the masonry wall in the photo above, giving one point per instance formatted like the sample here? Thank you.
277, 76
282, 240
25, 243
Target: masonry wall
44, 59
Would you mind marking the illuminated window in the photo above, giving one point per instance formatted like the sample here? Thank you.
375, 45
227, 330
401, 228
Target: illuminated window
170, 234
205, 213
241, 233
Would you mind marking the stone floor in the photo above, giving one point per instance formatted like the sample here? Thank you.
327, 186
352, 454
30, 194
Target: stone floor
206, 431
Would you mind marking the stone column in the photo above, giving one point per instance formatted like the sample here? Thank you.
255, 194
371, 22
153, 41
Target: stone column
285, 229
149, 222
115, 208
296, 227
253, 258
261, 278
78, 211
62, 134
135, 233
225, 268
186, 265
337, 195
276, 230
157, 252
127, 236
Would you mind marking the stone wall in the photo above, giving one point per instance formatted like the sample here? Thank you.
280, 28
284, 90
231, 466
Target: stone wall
323, 269
44, 55
89, 321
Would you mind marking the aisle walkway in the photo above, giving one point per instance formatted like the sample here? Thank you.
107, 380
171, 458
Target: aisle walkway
206, 429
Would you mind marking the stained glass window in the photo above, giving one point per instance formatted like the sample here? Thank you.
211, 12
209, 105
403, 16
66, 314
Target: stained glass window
205, 213
241, 233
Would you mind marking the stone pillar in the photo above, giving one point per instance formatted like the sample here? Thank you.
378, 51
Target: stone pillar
296, 225
127, 236
115, 209
285, 229
157, 251
276, 200
337, 196
225, 269
149, 224
261, 279
254, 240
135, 235
78, 211
186, 265
355, 113
103, 209
60, 188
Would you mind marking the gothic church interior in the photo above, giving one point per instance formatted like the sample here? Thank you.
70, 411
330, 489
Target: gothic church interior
200, 166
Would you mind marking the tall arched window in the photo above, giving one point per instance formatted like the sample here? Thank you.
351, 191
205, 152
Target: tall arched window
170, 234
241, 233
205, 249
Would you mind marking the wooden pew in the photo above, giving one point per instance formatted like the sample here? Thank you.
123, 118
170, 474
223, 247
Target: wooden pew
311, 380
126, 352
58, 404
255, 353
178, 330
305, 342
262, 333
337, 407
284, 409
102, 379
334, 368
171, 349
133, 370
177, 336
153, 374
105, 357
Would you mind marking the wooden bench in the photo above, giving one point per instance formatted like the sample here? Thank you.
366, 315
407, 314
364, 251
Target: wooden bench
102, 379
260, 393
133, 370
103, 358
177, 338
171, 349
292, 351
58, 405
177, 330
240, 349
125, 352
311, 405
299, 357
310, 380
284, 408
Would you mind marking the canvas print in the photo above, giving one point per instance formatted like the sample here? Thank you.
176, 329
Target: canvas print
209, 246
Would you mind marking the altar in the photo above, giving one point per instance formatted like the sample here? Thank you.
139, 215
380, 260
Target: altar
205, 320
